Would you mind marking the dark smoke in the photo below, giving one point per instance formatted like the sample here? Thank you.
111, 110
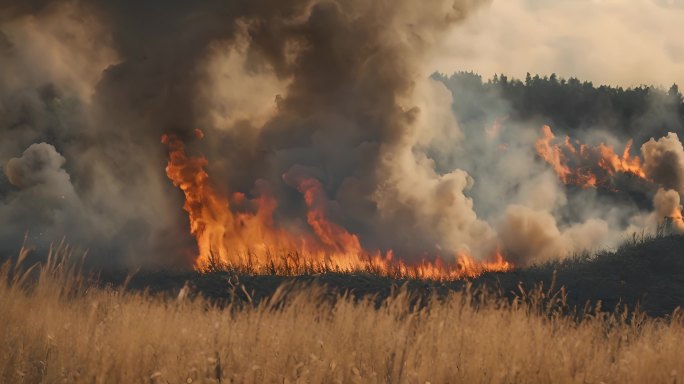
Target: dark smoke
321, 84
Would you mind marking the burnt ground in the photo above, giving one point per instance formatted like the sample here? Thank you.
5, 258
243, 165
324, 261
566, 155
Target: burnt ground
649, 274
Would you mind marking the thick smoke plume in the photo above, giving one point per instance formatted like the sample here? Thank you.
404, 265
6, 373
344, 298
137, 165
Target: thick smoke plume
321, 84
324, 107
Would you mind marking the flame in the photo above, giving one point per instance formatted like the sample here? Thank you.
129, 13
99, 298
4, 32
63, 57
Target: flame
586, 160
249, 241
613, 163
329, 233
552, 153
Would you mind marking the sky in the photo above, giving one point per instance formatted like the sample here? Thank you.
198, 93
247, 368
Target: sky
612, 42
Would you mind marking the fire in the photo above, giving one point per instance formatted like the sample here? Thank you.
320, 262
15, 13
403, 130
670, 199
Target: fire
583, 165
553, 154
249, 241
330, 234
613, 163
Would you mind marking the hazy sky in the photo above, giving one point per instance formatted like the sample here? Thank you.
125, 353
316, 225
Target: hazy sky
616, 42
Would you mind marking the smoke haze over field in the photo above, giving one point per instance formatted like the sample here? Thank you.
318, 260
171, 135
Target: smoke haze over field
330, 97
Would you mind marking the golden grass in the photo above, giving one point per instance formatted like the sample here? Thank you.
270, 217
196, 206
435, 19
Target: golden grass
54, 327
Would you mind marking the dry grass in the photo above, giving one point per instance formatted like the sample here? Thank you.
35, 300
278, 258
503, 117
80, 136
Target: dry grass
56, 327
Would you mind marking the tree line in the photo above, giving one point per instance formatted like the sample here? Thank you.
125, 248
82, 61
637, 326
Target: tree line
568, 104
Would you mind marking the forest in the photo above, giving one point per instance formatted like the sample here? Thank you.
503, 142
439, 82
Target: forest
568, 105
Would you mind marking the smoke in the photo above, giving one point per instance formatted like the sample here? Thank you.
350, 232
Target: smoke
583, 181
325, 107
668, 210
664, 161
532, 236
39, 165
667, 204
350, 113
328, 85
45, 199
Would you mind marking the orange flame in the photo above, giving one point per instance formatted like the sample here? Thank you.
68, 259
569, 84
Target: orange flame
552, 153
587, 159
330, 234
612, 163
250, 241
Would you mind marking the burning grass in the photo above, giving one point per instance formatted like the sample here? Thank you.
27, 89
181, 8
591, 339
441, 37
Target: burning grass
295, 263
220, 230
59, 327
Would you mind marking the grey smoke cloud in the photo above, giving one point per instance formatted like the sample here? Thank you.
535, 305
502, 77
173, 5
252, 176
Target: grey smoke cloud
43, 201
39, 165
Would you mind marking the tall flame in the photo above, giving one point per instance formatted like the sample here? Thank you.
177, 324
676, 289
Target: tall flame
252, 243
586, 160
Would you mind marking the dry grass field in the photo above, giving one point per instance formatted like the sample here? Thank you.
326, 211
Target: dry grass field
57, 327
